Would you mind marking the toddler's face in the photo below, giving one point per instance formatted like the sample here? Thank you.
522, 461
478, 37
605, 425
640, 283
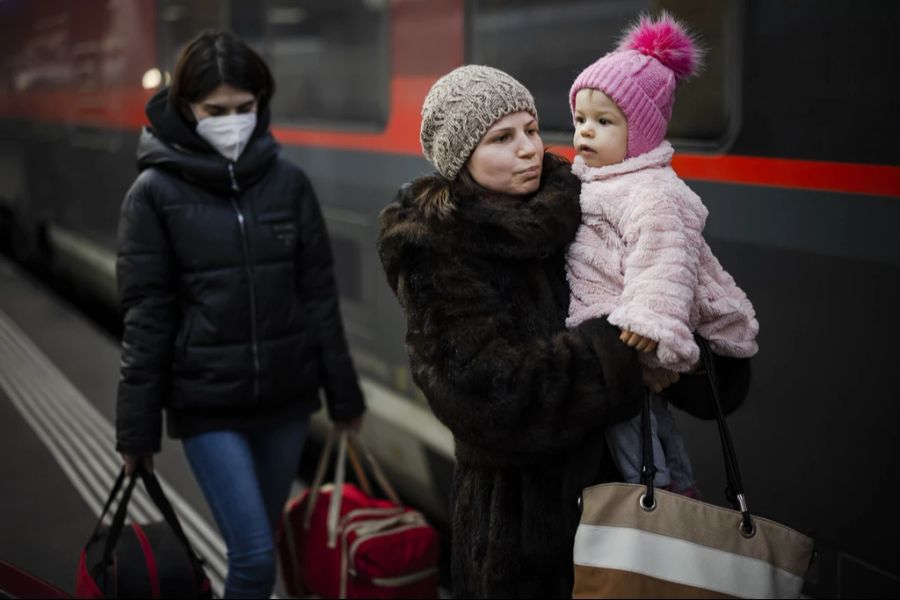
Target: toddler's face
601, 131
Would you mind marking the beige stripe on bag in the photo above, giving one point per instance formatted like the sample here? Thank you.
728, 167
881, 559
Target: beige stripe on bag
676, 516
592, 582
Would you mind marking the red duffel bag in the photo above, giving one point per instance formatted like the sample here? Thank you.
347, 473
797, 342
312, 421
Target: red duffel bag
338, 541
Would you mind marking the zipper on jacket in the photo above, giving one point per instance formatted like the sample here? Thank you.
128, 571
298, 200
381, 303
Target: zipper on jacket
248, 268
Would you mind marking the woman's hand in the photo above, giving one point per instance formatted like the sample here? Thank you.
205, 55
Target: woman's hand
637, 341
352, 425
131, 462
657, 378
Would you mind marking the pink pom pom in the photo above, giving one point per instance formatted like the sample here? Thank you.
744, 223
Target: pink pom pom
667, 41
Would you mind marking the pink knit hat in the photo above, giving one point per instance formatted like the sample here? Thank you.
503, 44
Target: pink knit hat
640, 76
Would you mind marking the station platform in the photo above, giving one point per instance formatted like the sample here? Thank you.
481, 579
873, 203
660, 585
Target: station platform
58, 376
58, 379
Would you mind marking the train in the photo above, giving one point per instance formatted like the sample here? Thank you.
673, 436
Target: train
789, 136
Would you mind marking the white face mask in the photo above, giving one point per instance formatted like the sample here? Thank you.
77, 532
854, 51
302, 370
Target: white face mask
229, 134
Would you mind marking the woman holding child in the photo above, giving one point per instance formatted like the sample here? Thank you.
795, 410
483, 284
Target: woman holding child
476, 254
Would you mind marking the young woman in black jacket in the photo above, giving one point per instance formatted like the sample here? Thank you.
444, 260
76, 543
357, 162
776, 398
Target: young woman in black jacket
476, 256
231, 317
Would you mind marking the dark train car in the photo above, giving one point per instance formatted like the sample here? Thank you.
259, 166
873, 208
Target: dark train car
789, 136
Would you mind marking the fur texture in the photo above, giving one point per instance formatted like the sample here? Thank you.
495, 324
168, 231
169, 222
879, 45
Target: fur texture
484, 292
640, 259
666, 40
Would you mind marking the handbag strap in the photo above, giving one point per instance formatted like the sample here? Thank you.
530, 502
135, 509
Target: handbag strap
118, 522
112, 496
155, 491
734, 492
648, 469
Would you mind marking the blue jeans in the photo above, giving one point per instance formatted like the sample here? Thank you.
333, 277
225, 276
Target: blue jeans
670, 457
246, 477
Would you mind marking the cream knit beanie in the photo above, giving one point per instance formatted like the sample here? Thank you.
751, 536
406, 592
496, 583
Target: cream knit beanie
460, 108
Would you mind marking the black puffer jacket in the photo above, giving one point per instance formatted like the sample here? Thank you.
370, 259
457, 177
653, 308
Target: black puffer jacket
481, 279
226, 284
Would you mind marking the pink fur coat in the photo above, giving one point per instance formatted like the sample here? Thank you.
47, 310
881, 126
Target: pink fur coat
639, 258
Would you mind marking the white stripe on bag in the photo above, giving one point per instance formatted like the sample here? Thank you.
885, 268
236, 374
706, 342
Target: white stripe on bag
683, 562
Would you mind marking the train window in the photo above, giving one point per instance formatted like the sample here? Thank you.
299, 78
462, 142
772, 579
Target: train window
545, 45
329, 58
181, 20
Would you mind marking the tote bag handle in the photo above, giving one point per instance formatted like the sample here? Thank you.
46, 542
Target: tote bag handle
735, 490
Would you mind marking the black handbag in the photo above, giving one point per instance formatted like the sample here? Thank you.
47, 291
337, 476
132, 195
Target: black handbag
154, 560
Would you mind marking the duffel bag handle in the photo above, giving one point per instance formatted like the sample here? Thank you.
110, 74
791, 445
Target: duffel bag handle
154, 490
318, 478
112, 496
118, 522
353, 457
356, 444
345, 438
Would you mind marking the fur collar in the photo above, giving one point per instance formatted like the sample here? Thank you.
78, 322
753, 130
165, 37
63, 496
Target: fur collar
661, 156
491, 225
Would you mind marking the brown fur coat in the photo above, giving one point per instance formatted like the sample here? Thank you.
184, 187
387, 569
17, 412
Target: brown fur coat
482, 282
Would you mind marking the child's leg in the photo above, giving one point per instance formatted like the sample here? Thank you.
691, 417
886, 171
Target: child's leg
677, 457
625, 445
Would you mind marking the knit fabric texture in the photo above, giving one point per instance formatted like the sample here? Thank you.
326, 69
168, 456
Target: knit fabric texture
640, 259
641, 75
461, 107
641, 86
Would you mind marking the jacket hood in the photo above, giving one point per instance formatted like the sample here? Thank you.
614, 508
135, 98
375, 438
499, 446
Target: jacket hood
482, 223
172, 144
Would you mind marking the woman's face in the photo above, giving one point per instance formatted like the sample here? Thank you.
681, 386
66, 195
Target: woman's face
508, 158
224, 100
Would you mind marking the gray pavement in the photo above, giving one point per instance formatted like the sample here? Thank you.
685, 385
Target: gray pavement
58, 375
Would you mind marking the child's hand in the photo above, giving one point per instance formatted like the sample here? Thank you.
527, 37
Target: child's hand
636, 341
657, 378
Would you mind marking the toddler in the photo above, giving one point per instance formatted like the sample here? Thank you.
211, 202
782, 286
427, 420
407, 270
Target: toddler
639, 257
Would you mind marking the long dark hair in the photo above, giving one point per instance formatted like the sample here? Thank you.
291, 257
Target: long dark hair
213, 58
435, 194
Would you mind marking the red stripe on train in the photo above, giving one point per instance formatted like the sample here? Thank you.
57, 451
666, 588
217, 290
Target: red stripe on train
123, 109
851, 178
400, 135
880, 180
